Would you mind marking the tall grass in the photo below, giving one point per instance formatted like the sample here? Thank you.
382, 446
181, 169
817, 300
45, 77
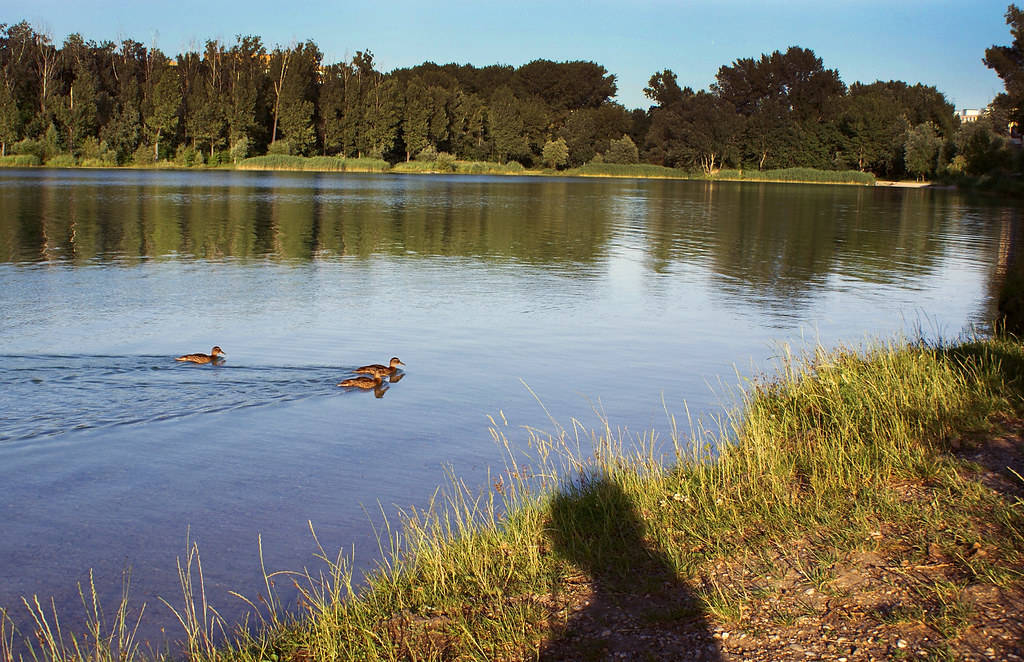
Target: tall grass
313, 163
103, 639
640, 170
802, 175
482, 574
19, 161
490, 168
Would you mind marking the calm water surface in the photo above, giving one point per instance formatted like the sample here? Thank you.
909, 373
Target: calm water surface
607, 295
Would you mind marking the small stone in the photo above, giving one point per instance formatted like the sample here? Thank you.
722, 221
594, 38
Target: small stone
901, 644
725, 635
809, 591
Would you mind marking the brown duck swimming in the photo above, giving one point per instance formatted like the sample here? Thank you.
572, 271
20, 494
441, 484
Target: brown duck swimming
212, 357
362, 382
381, 370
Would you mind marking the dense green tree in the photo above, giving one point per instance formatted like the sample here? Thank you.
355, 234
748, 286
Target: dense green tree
872, 128
1008, 63
10, 119
779, 97
779, 110
555, 153
689, 129
921, 149
980, 148
332, 107
505, 126
564, 86
357, 80
589, 131
162, 101
124, 129
294, 73
246, 83
664, 90
382, 114
468, 135
623, 150
76, 111
416, 118
874, 120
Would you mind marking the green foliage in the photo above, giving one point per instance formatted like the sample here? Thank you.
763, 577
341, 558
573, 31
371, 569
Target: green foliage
428, 153
279, 148
781, 110
51, 143
313, 163
506, 127
162, 103
696, 131
806, 175
188, 156
489, 168
921, 150
623, 150
96, 154
143, 155
30, 147
982, 148
446, 162
10, 118
61, 161
19, 160
1008, 63
240, 149
645, 170
555, 153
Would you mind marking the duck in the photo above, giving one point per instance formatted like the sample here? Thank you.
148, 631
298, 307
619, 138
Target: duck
381, 370
362, 382
212, 357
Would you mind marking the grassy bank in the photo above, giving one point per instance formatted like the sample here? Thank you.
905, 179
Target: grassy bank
19, 161
788, 175
448, 165
841, 456
313, 163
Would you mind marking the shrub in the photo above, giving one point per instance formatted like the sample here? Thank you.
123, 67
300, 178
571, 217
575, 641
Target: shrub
143, 155
279, 148
95, 153
240, 150
555, 153
445, 162
622, 150
61, 161
28, 146
187, 156
428, 153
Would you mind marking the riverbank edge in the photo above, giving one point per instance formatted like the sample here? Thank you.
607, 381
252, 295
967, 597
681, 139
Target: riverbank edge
860, 507
485, 168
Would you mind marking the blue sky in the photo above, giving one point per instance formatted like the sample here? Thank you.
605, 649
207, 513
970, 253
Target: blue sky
938, 43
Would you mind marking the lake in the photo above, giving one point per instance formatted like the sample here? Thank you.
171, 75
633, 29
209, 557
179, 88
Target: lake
516, 296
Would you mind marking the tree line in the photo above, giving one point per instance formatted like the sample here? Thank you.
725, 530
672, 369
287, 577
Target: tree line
114, 104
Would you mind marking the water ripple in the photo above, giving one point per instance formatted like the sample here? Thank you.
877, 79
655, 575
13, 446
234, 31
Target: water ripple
50, 395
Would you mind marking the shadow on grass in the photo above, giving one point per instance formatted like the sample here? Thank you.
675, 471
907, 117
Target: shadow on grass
631, 604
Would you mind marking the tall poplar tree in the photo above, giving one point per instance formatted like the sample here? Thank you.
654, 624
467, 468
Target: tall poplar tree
162, 100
